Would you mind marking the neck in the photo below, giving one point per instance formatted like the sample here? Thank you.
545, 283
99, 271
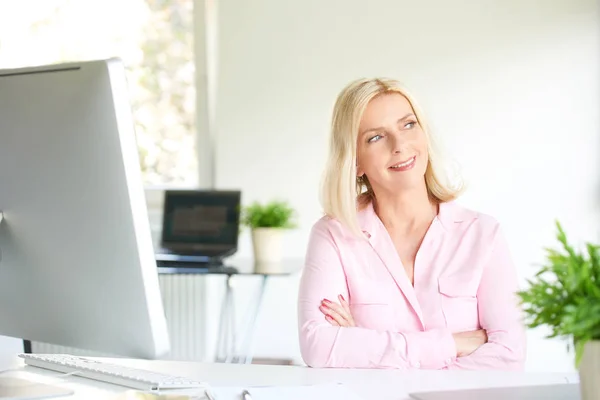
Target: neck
406, 211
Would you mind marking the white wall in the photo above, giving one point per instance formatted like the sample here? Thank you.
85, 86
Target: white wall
510, 85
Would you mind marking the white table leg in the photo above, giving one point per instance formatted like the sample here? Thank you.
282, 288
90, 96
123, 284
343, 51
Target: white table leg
226, 324
247, 346
227, 340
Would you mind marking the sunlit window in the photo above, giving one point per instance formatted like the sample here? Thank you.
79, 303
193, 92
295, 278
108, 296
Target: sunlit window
154, 38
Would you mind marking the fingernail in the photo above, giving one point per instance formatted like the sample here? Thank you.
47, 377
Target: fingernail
342, 297
326, 301
327, 316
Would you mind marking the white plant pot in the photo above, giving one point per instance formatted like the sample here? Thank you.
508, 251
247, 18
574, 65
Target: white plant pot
267, 249
589, 371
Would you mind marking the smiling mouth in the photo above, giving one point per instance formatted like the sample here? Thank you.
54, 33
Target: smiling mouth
404, 165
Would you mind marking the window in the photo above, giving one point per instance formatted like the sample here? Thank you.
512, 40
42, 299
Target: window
154, 38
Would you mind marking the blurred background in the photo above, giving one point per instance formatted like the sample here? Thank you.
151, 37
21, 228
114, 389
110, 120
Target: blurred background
238, 95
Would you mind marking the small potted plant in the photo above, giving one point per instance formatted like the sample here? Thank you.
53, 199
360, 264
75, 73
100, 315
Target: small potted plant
267, 223
565, 296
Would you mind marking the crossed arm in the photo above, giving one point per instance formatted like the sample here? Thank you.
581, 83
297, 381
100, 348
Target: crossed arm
325, 342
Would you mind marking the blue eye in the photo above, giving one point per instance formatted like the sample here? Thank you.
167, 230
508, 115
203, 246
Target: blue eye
375, 138
411, 123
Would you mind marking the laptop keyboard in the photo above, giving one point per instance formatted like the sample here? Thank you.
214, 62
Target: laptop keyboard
203, 253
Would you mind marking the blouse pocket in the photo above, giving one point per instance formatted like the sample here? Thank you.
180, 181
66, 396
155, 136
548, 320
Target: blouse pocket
458, 295
377, 316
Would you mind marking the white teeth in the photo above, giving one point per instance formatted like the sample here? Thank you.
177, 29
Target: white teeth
404, 164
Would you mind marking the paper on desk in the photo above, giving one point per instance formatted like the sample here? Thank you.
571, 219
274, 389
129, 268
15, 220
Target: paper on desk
138, 395
313, 392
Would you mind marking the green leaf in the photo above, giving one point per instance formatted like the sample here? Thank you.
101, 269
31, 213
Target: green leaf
579, 346
276, 214
564, 294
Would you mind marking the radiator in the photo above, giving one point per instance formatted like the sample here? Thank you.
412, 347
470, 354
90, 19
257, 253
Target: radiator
184, 302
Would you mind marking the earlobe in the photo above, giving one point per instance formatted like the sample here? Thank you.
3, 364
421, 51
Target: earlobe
359, 171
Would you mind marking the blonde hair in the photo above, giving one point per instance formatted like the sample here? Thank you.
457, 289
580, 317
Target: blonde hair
342, 193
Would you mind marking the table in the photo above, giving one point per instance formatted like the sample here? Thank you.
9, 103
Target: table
232, 268
371, 384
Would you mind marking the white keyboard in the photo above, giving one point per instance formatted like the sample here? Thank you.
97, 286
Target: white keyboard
110, 373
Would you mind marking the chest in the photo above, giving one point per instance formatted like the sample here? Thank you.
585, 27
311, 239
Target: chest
407, 248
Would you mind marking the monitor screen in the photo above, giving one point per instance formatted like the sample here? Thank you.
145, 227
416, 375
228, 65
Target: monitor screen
201, 217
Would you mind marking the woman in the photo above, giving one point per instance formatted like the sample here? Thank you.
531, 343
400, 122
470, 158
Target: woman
402, 276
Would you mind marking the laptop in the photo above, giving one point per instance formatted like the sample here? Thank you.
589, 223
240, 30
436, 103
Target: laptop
199, 227
564, 391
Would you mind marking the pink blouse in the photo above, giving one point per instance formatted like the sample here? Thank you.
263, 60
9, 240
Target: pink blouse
464, 279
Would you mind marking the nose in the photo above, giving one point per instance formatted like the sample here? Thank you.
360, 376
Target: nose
397, 143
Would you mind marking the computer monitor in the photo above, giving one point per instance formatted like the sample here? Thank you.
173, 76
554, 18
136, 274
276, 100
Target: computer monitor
77, 261
203, 223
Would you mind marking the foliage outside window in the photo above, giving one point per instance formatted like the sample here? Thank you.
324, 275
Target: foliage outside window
154, 38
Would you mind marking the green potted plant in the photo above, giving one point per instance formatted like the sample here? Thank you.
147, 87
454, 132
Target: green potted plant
565, 296
267, 223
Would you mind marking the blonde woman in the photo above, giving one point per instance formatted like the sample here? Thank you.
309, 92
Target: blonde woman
397, 274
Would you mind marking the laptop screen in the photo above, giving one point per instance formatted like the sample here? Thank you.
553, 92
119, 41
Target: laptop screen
201, 218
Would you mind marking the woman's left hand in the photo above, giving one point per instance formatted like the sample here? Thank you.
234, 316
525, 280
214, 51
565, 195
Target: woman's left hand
337, 314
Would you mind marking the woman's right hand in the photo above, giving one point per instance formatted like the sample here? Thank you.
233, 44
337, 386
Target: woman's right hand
468, 342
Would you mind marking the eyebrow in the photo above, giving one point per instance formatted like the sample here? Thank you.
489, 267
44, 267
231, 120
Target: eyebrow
382, 128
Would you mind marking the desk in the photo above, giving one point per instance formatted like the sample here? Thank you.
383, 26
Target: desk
227, 338
371, 384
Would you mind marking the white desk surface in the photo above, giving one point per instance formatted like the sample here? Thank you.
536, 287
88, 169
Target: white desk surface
372, 384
